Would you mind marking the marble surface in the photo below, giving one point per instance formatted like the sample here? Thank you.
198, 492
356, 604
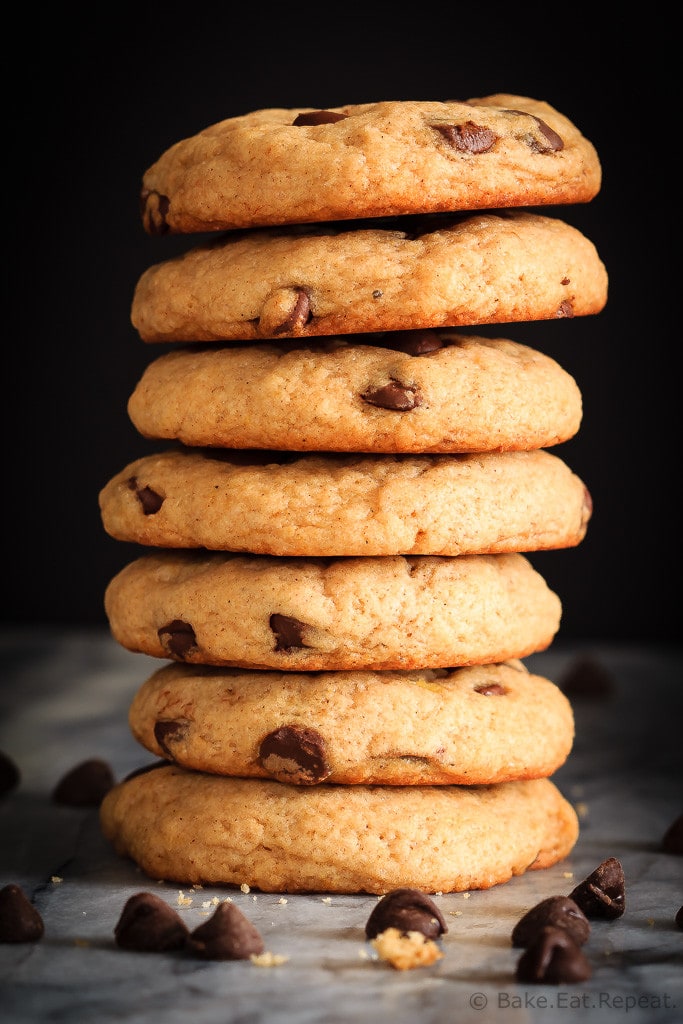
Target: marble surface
64, 698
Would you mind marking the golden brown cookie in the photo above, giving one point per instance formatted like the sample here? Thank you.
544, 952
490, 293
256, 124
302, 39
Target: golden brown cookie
330, 505
349, 278
407, 391
484, 724
279, 166
327, 614
194, 828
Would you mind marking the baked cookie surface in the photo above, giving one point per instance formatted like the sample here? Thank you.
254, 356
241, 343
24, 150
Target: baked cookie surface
403, 274
411, 391
279, 166
194, 828
478, 725
331, 505
325, 614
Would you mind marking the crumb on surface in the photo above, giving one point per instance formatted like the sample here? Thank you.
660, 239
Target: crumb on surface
55, 879
406, 950
244, 887
326, 899
268, 959
183, 900
282, 901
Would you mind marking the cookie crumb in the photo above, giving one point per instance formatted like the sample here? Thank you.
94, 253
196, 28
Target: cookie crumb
282, 901
183, 900
455, 913
326, 899
406, 950
244, 887
268, 959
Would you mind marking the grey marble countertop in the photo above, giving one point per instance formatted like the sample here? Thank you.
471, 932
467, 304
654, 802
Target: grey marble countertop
64, 699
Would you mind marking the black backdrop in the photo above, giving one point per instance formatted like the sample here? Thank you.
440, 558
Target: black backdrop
96, 104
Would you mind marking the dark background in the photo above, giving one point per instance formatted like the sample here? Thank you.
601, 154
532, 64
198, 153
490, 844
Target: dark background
95, 105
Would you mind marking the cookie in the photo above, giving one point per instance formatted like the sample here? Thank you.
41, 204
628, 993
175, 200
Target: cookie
410, 391
483, 724
348, 278
194, 828
279, 166
324, 614
331, 505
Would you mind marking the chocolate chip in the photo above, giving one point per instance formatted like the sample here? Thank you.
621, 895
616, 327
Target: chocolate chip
587, 677
679, 917
603, 893
166, 733
409, 910
295, 754
553, 958
556, 912
553, 140
177, 638
673, 837
468, 137
154, 210
394, 395
85, 785
293, 318
227, 935
490, 689
151, 501
413, 343
288, 632
565, 311
19, 919
318, 117
149, 925
10, 776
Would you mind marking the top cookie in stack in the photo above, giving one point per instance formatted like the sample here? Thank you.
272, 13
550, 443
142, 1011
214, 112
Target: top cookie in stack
352, 488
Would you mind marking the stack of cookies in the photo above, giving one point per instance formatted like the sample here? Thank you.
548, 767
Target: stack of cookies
335, 569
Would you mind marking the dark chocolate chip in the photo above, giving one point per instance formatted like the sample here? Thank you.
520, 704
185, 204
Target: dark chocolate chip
587, 677
468, 137
672, 841
556, 912
85, 785
490, 689
10, 776
149, 925
603, 892
295, 754
227, 935
151, 501
298, 316
288, 632
565, 311
553, 140
679, 917
19, 919
177, 638
413, 343
553, 958
168, 733
318, 117
409, 910
394, 395
154, 210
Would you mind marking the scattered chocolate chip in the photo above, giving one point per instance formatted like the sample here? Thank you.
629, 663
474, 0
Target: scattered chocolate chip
587, 677
679, 917
555, 912
553, 958
413, 343
85, 785
154, 210
394, 395
151, 501
468, 137
177, 638
10, 776
603, 892
288, 632
149, 925
168, 733
318, 117
295, 754
673, 837
19, 919
227, 935
490, 689
565, 311
408, 910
